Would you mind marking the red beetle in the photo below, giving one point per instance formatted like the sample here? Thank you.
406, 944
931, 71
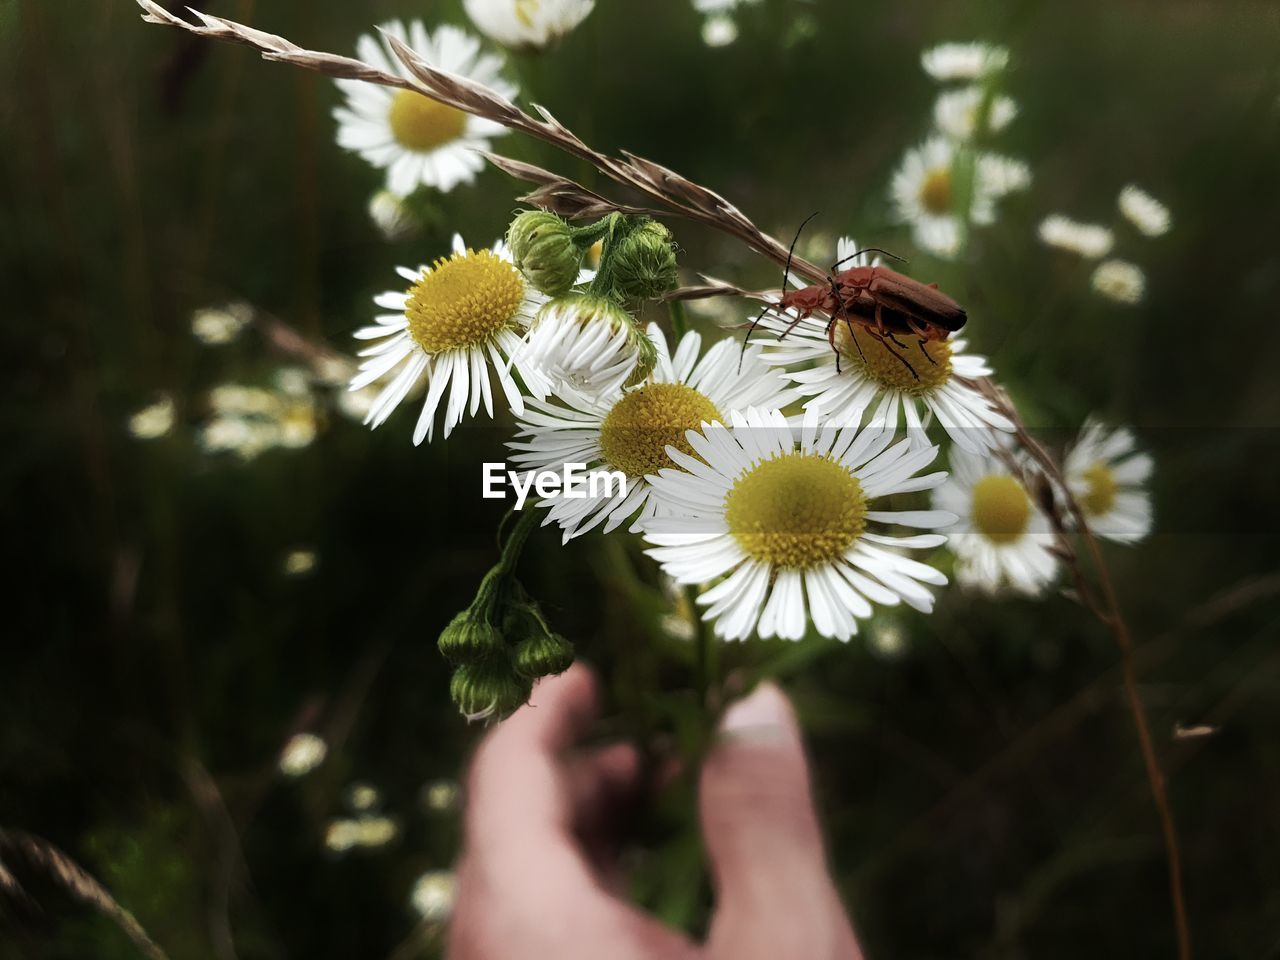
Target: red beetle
883, 302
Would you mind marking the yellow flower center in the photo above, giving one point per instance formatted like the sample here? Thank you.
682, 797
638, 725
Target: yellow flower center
526, 10
935, 192
883, 361
1100, 496
464, 301
799, 510
422, 124
637, 431
1001, 508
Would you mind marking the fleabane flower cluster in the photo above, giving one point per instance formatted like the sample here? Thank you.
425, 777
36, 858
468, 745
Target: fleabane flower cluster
952, 181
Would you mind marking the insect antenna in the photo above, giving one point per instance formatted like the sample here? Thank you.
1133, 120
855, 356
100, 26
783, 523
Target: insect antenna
786, 273
858, 253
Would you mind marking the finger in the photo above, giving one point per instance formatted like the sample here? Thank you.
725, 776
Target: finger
516, 784
601, 783
763, 839
603, 788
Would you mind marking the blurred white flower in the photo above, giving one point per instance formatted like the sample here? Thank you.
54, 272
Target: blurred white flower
302, 754
433, 895
299, 562
440, 796
719, 30
721, 6
1120, 281
248, 421
1144, 211
154, 420
527, 23
1086, 239
1106, 473
392, 216
1002, 538
345, 834
417, 140
955, 112
999, 175
363, 797
925, 193
214, 326
963, 61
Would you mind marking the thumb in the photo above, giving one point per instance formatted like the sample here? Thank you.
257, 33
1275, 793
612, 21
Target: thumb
773, 892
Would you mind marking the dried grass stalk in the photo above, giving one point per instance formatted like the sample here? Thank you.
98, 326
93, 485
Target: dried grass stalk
75, 880
674, 193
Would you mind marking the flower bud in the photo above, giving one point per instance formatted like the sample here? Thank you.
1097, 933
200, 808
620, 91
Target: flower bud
469, 638
644, 263
488, 689
590, 343
539, 652
544, 250
543, 655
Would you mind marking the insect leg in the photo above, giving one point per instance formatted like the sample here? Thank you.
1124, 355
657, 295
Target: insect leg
885, 333
885, 343
831, 339
920, 332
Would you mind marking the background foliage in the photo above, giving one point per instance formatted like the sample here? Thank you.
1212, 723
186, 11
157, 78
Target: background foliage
981, 785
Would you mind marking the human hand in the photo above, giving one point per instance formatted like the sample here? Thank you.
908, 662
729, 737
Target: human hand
530, 887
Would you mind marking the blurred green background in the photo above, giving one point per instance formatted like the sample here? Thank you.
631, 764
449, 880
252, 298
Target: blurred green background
978, 772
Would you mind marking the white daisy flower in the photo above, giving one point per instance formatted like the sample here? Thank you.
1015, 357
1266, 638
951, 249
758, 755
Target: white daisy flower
963, 61
791, 524
1119, 280
527, 24
1089, 240
585, 342
419, 141
955, 112
459, 316
1144, 211
1003, 538
631, 431
924, 193
1105, 471
866, 374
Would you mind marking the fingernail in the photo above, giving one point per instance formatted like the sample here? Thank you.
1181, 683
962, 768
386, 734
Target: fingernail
764, 713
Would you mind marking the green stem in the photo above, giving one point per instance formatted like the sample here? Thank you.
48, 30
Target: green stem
679, 318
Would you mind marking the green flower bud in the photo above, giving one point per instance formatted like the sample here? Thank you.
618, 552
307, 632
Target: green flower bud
488, 689
539, 652
469, 638
644, 263
543, 248
543, 655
